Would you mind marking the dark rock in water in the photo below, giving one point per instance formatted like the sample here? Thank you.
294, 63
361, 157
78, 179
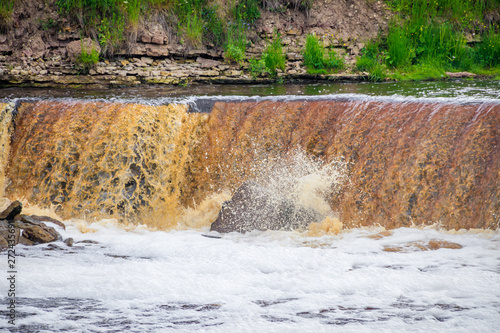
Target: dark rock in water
87, 241
34, 230
253, 207
48, 219
41, 234
3, 243
69, 241
24, 241
14, 209
8, 234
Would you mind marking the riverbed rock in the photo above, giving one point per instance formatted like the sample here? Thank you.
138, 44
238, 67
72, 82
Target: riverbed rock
10, 212
47, 219
3, 243
41, 234
9, 233
254, 207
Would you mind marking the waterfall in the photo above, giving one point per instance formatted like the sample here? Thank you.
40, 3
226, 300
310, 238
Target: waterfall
367, 162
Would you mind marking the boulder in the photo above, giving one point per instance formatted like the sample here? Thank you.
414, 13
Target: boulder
253, 207
10, 212
36, 47
75, 48
40, 234
3, 243
34, 231
48, 219
9, 233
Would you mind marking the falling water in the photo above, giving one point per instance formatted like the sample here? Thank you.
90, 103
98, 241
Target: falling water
392, 180
366, 162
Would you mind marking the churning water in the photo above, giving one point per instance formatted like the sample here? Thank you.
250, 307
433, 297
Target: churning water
138, 185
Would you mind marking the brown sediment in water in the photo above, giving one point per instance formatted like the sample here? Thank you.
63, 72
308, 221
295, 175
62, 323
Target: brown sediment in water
100, 160
5, 133
432, 245
413, 163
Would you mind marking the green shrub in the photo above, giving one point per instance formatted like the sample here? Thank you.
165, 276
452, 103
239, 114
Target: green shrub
372, 49
313, 53
111, 34
315, 59
273, 56
87, 59
192, 30
105, 18
333, 62
429, 36
234, 53
133, 8
236, 42
257, 67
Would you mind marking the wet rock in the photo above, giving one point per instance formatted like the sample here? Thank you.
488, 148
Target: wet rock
41, 234
69, 241
10, 212
11, 234
436, 244
3, 243
48, 219
87, 241
460, 75
254, 207
24, 241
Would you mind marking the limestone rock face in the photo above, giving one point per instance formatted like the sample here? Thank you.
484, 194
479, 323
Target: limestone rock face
36, 47
75, 48
254, 207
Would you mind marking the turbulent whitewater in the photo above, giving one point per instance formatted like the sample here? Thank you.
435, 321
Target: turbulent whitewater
408, 191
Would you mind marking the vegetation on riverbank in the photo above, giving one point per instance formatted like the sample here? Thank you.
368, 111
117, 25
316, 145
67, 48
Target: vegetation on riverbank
428, 38
424, 39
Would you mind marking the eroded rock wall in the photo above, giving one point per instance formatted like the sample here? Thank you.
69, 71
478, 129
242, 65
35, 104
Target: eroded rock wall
36, 48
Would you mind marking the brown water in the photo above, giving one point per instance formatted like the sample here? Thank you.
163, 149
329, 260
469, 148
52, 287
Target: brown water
364, 162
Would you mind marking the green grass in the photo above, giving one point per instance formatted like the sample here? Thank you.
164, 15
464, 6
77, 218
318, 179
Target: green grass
420, 72
215, 26
196, 21
315, 59
488, 51
6, 7
427, 38
400, 51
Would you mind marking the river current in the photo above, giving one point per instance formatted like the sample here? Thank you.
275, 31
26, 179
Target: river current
121, 276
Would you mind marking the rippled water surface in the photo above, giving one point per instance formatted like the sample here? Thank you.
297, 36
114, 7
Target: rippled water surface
471, 89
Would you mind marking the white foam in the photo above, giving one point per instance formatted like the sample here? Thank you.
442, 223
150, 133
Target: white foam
141, 280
